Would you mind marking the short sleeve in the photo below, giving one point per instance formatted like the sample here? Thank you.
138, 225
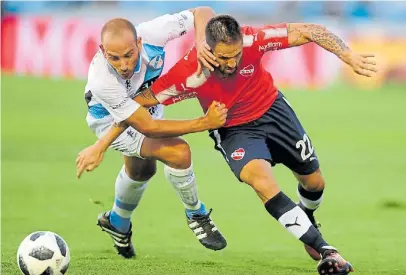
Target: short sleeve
166, 27
116, 100
266, 38
181, 81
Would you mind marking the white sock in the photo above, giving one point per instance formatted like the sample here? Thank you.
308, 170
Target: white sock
311, 200
295, 221
184, 183
127, 197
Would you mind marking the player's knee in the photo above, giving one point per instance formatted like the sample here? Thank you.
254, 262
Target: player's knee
142, 174
258, 175
181, 156
313, 182
316, 184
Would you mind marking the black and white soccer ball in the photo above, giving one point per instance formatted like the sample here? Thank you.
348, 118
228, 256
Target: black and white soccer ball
43, 253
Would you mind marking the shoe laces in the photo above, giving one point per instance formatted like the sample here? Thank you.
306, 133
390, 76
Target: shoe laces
203, 219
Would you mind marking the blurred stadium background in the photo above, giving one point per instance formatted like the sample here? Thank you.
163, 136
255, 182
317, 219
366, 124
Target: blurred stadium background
357, 125
66, 34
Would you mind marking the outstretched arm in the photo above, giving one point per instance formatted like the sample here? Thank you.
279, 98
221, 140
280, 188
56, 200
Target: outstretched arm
302, 33
146, 99
89, 158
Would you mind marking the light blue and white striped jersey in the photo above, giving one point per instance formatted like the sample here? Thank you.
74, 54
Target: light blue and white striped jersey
108, 96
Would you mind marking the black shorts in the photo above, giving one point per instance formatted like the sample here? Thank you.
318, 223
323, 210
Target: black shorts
277, 136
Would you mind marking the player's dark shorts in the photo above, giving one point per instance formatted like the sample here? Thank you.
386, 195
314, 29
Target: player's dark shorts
277, 136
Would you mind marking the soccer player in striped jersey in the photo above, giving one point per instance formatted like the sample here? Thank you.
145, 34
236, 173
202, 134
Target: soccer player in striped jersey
129, 60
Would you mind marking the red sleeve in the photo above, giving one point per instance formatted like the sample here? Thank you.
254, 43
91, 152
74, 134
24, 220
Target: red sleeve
267, 38
175, 85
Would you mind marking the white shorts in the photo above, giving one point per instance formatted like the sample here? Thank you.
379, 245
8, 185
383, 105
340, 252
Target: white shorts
130, 141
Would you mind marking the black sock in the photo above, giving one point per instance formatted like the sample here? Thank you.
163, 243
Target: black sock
309, 201
295, 220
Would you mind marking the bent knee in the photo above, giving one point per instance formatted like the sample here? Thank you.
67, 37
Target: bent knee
181, 156
258, 174
141, 173
313, 182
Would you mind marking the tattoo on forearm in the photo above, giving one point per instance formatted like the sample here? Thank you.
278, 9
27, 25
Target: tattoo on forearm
147, 94
321, 36
120, 124
327, 40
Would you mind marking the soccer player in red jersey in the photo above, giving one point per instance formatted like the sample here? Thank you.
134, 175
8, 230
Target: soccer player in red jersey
261, 128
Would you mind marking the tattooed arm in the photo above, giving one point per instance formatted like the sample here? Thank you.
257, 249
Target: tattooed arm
90, 158
299, 34
146, 98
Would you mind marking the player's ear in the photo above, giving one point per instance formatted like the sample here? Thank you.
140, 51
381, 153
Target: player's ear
139, 42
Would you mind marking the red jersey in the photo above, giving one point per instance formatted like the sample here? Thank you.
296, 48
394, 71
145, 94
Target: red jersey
247, 94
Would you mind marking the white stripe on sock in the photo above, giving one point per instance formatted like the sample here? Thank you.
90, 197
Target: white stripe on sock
296, 222
309, 204
128, 192
122, 212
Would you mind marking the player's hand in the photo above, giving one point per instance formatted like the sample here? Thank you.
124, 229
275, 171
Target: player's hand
88, 159
216, 115
362, 64
205, 57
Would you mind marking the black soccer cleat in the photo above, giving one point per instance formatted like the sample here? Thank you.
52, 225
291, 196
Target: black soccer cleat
206, 231
311, 251
122, 242
333, 263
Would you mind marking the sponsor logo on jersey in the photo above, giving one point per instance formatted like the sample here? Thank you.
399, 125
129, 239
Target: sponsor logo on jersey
121, 104
238, 154
181, 20
271, 46
183, 97
156, 63
247, 71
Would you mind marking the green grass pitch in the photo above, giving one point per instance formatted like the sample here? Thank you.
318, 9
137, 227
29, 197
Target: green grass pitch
359, 137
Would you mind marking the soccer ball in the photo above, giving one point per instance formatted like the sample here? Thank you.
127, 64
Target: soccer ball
43, 253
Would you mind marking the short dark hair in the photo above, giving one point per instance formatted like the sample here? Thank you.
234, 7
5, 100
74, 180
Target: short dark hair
222, 28
117, 25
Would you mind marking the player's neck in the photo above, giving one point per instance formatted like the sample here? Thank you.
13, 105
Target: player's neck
223, 77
